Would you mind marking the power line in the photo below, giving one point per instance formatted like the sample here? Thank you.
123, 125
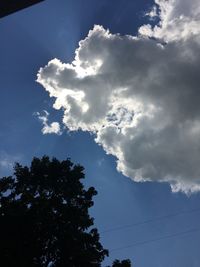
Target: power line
149, 220
156, 239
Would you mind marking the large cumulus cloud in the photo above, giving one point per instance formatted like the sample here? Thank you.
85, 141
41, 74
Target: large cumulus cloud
139, 95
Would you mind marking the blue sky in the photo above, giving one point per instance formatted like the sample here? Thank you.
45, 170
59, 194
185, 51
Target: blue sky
53, 29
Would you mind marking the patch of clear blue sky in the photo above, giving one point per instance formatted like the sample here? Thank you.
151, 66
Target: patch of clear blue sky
29, 39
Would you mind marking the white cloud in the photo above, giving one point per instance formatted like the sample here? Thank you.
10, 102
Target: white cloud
153, 13
139, 97
53, 127
179, 19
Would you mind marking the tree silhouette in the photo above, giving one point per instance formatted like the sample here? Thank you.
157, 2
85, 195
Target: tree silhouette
44, 218
123, 263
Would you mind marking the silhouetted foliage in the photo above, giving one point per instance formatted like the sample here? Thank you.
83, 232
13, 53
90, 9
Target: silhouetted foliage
44, 218
123, 263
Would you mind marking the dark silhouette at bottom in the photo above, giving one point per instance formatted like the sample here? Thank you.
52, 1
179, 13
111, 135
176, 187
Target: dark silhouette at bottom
44, 219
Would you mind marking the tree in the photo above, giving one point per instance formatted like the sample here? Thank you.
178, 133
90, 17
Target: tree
123, 263
44, 219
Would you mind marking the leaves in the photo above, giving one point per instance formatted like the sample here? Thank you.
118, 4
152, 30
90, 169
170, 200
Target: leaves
44, 217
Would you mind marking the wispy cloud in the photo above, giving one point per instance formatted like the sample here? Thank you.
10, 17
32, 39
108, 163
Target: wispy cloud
7, 162
53, 127
100, 162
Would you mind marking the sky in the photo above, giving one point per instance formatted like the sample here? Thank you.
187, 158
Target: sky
114, 86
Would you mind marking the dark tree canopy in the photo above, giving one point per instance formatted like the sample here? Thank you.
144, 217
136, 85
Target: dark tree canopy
123, 263
44, 217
